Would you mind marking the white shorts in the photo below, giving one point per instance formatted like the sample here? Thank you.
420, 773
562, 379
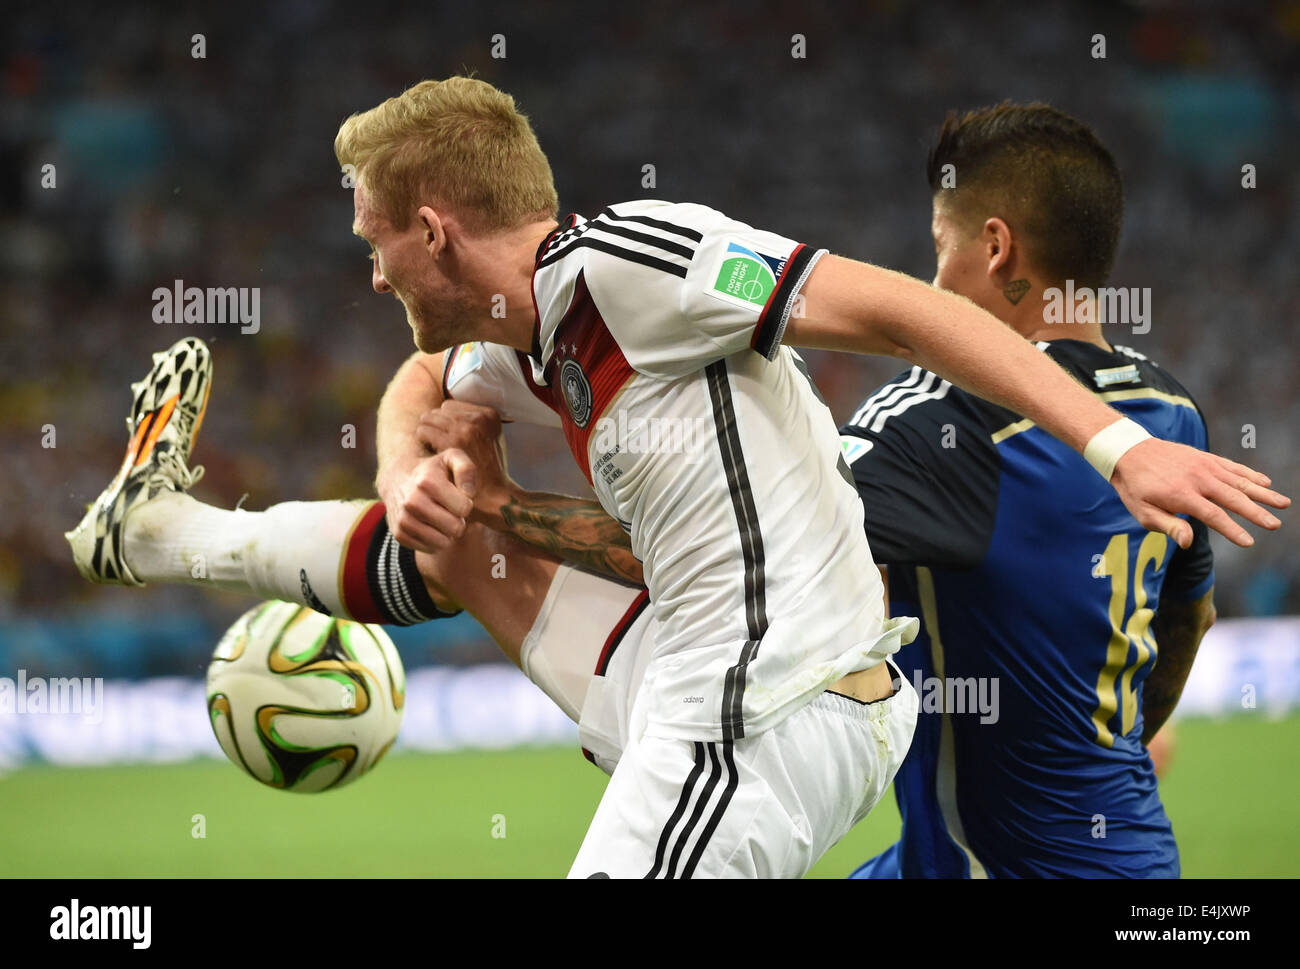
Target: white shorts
765, 806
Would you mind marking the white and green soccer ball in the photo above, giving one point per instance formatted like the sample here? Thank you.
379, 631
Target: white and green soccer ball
303, 702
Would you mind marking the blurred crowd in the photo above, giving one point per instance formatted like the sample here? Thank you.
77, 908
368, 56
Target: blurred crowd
218, 170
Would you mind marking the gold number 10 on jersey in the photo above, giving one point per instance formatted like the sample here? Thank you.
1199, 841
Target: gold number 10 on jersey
1135, 633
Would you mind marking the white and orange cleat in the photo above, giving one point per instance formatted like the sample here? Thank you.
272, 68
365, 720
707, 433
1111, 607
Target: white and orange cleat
165, 418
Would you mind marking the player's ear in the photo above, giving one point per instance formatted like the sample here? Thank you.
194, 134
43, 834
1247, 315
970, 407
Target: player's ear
435, 231
997, 246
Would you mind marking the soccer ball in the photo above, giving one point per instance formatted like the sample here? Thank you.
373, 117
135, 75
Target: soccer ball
303, 702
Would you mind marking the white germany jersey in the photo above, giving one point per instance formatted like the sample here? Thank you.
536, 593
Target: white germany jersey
658, 350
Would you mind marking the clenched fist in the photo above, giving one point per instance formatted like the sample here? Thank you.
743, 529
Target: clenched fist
473, 433
428, 500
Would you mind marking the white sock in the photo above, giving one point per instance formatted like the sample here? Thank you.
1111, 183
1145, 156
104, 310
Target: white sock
290, 551
314, 553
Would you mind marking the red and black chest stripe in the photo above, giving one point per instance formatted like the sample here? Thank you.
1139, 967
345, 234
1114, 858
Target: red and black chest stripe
585, 373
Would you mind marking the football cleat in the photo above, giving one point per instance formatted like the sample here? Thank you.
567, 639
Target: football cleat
165, 417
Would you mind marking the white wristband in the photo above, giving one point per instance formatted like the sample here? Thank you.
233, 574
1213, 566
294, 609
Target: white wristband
1111, 443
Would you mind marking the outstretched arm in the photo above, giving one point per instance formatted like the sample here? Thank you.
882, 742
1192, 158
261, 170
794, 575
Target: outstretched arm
855, 307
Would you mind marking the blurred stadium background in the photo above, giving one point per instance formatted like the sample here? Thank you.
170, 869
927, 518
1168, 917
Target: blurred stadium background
219, 171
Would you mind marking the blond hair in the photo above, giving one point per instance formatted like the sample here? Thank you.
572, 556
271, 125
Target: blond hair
460, 143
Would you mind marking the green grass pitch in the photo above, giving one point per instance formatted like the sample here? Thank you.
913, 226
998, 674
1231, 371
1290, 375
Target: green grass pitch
1231, 795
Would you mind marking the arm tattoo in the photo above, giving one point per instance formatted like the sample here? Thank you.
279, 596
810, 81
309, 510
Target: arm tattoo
1178, 629
575, 529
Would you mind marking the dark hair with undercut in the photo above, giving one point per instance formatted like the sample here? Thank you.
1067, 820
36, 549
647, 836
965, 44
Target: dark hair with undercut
1043, 172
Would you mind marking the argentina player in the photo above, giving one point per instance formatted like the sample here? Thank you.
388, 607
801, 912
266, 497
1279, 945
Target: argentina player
1026, 570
